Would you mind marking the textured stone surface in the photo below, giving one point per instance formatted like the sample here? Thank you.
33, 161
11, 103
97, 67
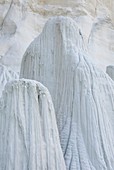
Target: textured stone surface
22, 20
110, 71
28, 132
6, 75
82, 94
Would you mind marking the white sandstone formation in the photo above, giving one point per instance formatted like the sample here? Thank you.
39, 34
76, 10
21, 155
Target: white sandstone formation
6, 75
22, 20
110, 71
28, 132
83, 95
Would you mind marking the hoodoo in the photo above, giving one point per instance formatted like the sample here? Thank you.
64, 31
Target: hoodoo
28, 132
6, 75
83, 95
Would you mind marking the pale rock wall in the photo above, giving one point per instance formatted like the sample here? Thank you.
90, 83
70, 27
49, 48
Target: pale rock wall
22, 20
82, 94
28, 131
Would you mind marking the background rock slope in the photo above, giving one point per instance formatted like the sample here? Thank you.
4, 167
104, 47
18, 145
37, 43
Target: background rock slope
22, 20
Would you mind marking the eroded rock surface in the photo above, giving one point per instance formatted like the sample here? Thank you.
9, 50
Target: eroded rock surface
82, 94
22, 20
6, 75
28, 132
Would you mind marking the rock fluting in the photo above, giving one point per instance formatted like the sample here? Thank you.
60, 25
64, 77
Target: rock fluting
83, 95
28, 132
6, 75
110, 71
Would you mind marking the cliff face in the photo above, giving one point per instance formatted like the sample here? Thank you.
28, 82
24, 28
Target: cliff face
22, 20
83, 95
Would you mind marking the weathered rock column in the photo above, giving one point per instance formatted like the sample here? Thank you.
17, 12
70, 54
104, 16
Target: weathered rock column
83, 95
28, 132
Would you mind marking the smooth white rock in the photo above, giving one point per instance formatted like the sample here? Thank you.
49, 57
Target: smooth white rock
83, 95
28, 132
110, 71
6, 75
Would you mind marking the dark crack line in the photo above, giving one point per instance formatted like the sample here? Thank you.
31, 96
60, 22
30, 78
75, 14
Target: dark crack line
6, 15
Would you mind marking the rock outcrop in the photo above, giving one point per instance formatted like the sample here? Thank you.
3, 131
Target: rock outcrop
6, 75
22, 20
110, 71
82, 94
28, 132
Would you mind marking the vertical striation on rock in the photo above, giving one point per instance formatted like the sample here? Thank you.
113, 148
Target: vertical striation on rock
110, 71
28, 132
6, 75
83, 95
